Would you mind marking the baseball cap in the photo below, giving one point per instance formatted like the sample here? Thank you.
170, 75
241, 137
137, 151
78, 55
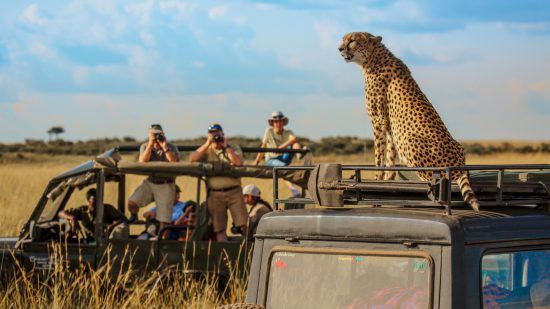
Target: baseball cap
215, 127
252, 190
156, 128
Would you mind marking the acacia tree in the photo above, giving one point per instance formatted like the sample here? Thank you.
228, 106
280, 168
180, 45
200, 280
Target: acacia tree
55, 131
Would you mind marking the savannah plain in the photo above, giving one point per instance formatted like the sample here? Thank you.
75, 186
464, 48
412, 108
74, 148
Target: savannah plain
23, 177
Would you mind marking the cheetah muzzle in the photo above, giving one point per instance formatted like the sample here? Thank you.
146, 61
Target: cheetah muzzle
404, 122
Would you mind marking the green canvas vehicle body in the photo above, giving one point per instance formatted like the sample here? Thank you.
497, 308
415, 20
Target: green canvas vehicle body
34, 247
387, 244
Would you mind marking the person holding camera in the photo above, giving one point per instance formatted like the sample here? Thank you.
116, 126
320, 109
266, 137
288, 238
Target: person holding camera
224, 192
158, 189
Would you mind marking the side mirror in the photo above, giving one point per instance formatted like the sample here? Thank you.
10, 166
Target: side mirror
242, 306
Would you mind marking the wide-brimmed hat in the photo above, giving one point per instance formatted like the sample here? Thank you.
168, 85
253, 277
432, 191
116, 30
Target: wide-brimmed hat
277, 115
252, 190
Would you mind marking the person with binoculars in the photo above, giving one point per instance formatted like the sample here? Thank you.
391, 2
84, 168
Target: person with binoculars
156, 189
224, 192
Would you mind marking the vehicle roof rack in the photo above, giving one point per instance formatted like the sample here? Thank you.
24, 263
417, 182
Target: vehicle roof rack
494, 185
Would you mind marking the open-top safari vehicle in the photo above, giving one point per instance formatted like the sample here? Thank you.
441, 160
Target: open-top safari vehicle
406, 243
44, 231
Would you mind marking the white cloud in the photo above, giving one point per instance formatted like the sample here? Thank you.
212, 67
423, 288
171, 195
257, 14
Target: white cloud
32, 15
141, 10
218, 12
79, 75
41, 50
171, 6
329, 33
198, 64
147, 37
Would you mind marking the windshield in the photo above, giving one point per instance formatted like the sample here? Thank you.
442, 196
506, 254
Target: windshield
322, 280
516, 279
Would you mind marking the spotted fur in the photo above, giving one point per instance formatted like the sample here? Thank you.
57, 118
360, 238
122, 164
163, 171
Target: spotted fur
404, 122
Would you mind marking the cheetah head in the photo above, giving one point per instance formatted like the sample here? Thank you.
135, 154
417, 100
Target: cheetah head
357, 45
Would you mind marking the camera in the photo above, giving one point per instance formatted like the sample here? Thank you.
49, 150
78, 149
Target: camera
160, 137
218, 138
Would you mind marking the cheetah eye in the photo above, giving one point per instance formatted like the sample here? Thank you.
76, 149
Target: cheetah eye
349, 43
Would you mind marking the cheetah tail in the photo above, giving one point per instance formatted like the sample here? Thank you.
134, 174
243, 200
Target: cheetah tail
467, 192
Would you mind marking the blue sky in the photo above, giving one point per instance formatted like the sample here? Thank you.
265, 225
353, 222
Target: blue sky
111, 68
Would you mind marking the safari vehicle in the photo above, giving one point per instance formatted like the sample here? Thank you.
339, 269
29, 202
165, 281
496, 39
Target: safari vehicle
35, 246
407, 243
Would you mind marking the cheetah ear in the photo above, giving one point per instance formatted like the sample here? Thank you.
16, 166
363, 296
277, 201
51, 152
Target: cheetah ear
377, 39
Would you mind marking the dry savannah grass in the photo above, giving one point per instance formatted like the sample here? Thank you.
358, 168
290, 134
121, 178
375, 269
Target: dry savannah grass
23, 181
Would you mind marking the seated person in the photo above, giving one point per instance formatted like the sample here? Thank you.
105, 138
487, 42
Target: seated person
114, 220
180, 213
277, 136
257, 207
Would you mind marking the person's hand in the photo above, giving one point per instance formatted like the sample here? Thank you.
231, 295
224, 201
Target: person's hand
224, 143
164, 143
151, 138
209, 139
72, 223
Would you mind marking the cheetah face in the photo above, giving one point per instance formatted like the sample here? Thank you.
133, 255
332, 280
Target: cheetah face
357, 45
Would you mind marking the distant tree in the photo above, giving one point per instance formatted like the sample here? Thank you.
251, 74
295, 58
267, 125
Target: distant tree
55, 131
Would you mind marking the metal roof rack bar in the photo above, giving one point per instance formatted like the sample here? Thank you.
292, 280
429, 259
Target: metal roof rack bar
437, 192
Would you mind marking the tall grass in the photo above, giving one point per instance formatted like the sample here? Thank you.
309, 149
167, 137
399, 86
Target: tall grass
109, 288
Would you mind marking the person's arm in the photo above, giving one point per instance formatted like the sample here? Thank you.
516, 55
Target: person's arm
235, 158
197, 155
145, 152
292, 139
260, 155
71, 219
171, 154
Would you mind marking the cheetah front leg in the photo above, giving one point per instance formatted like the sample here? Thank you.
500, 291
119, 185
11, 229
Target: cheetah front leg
380, 141
391, 155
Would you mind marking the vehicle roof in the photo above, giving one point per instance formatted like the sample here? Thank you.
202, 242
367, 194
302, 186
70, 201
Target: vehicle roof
403, 224
112, 163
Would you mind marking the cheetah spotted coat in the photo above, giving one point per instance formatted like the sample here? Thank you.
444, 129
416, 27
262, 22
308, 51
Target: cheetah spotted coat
404, 121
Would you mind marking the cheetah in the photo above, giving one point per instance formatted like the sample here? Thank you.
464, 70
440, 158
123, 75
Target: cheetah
404, 122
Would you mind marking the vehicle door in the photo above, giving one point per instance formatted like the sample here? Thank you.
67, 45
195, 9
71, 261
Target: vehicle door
45, 241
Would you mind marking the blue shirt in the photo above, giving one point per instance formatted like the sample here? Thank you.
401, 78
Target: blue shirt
177, 211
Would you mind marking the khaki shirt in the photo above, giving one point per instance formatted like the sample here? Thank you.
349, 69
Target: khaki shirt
160, 156
256, 212
274, 140
87, 217
220, 155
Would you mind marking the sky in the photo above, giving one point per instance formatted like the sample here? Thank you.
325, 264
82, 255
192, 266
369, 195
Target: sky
107, 68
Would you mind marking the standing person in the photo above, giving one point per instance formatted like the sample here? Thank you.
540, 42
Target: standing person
158, 189
224, 192
258, 207
276, 136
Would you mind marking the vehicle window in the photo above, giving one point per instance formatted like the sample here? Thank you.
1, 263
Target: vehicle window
53, 203
319, 280
516, 279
